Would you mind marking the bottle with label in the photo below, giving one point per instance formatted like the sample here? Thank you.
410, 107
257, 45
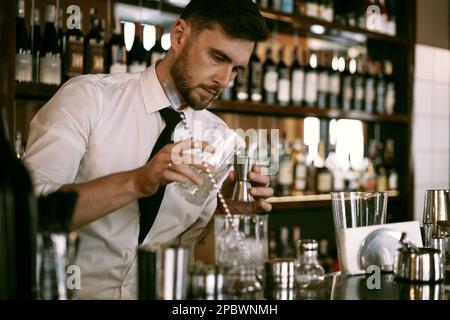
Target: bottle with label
284, 81
348, 85
256, 78
242, 85
117, 53
327, 11
136, 57
286, 168
312, 8
287, 6
390, 88
94, 47
297, 79
324, 180
270, 78
157, 52
36, 41
370, 89
299, 155
358, 101
311, 81
334, 88
50, 61
73, 52
380, 100
24, 58
323, 82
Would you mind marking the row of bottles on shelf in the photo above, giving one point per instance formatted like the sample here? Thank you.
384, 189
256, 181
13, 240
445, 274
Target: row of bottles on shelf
373, 15
316, 79
304, 173
286, 243
57, 55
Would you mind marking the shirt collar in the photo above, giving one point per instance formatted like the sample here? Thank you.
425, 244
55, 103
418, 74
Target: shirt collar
152, 91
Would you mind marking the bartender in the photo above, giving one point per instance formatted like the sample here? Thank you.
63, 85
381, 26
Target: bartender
109, 138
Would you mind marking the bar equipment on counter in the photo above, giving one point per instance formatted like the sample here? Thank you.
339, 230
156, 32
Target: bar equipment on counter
57, 247
242, 166
436, 208
418, 264
279, 279
207, 282
163, 272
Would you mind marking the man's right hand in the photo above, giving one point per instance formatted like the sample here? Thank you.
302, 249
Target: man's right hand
162, 169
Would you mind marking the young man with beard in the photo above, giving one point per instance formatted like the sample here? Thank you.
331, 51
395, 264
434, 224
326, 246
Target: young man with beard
101, 136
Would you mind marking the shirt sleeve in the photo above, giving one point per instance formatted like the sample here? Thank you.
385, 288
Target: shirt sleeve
59, 135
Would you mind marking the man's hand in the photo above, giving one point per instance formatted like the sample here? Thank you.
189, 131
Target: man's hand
166, 167
260, 191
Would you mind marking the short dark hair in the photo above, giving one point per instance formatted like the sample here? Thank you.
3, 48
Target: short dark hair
239, 18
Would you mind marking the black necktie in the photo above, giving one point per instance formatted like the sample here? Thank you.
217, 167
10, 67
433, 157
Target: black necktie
149, 206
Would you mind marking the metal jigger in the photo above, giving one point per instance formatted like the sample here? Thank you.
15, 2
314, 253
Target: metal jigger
242, 166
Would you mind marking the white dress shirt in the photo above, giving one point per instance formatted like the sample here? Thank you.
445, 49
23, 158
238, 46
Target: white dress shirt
96, 125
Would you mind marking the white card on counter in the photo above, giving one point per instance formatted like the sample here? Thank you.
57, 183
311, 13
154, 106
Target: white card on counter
352, 239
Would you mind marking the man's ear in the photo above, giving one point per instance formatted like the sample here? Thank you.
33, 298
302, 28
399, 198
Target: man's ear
179, 34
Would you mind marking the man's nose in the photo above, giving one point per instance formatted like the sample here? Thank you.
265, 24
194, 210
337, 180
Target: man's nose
223, 77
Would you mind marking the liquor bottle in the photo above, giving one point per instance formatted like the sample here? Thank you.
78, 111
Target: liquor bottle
94, 47
117, 53
299, 8
36, 41
369, 88
323, 82
242, 86
136, 59
286, 250
327, 10
390, 88
311, 183
325, 259
157, 52
392, 23
286, 169
24, 58
309, 273
276, 5
299, 156
73, 52
339, 12
256, 77
287, 6
311, 81
369, 178
380, 100
389, 161
270, 78
312, 8
324, 178
334, 88
297, 79
50, 61
18, 227
358, 101
284, 81
348, 85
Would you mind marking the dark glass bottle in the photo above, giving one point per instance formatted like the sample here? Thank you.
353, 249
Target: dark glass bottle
380, 100
323, 82
297, 80
136, 57
284, 81
311, 81
117, 53
369, 88
348, 86
73, 52
18, 225
94, 46
270, 78
334, 88
50, 61
24, 64
157, 52
256, 78
358, 101
36, 40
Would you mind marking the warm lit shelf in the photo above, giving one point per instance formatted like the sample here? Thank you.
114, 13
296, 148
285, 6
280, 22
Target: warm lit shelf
332, 30
301, 112
310, 201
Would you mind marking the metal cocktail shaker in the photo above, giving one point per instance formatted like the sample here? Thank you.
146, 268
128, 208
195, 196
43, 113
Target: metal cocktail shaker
163, 272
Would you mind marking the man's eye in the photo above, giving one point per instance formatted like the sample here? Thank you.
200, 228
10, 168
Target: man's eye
219, 58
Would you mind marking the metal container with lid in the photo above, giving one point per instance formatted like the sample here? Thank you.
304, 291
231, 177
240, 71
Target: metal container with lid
280, 279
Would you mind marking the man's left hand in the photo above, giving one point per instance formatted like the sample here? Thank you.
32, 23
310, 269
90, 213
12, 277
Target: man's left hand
260, 191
